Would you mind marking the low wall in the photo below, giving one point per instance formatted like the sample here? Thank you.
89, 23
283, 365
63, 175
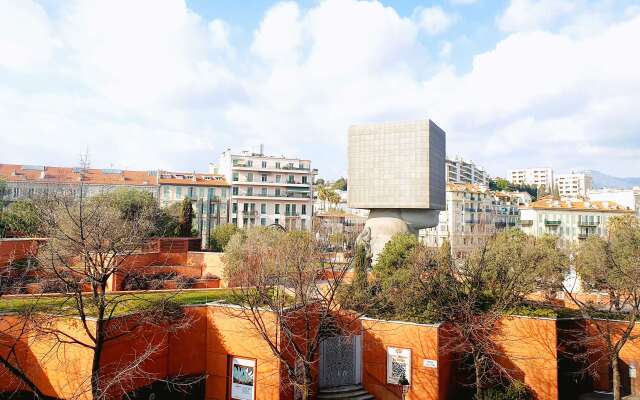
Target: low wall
209, 263
16, 249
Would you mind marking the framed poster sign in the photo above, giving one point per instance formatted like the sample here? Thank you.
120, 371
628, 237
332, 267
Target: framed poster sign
243, 379
398, 364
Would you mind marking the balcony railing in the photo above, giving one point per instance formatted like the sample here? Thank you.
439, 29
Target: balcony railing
550, 222
526, 222
588, 223
279, 196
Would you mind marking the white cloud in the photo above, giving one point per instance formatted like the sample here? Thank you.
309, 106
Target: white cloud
522, 15
148, 90
25, 34
434, 20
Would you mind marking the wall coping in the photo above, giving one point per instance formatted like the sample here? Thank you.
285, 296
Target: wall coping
432, 325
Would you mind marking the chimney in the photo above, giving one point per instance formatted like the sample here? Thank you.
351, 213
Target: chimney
261, 149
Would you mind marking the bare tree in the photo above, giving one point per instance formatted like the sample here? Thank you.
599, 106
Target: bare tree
89, 240
611, 265
288, 293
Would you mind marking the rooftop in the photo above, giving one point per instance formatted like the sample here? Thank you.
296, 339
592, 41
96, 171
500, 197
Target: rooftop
551, 203
48, 174
191, 179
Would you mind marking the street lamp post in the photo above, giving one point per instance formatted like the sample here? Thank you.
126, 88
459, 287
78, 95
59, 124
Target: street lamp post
405, 385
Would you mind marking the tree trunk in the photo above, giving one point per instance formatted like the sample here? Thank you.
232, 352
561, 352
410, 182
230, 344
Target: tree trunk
97, 354
478, 371
617, 386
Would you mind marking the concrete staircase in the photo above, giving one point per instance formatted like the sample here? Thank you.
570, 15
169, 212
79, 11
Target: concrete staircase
352, 392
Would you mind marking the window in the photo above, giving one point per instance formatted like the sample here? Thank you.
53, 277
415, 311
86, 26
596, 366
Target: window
178, 192
245, 207
165, 192
293, 209
277, 221
250, 191
235, 177
235, 190
277, 192
235, 208
250, 177
264, 164
304, 179
212, 193
264, 191
278, 165
277, 178
250, 163
223, 192
304, 209
263, 178
277, 209
234, 221
287, 209
290, 179
263, 208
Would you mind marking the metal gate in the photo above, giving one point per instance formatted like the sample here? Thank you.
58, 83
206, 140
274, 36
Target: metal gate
340, 361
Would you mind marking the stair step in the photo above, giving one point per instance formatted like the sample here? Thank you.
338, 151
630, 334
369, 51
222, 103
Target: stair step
356, 397
342, 395
339, 389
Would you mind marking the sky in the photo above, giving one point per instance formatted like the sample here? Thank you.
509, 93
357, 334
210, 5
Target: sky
170, 84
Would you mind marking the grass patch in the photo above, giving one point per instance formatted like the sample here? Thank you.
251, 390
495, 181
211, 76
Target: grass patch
123, 303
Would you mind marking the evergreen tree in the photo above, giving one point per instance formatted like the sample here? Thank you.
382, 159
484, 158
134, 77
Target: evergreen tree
186, 219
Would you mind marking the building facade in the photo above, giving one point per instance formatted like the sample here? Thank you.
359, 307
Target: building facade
473, 214
629, 198
209, 193
531, 176
570, 220
461, 171
573, 185
268, 190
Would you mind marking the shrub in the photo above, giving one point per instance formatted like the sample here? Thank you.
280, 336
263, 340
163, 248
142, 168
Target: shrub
221, 235
135, 281
185, 282
52, 285
155, 283
513, 391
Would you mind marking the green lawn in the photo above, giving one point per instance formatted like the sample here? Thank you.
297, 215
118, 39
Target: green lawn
124, 303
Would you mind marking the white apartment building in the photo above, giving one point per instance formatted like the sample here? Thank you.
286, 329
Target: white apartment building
573, 185
571, 220
268, 190
629, 198
531, 176
472, 214
461, 171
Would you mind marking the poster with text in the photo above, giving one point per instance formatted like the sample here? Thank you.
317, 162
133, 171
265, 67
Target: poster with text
243, 379
398, 364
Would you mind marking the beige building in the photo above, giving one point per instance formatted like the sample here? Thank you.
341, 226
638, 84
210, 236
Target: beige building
473, 213
571, 220
268, 190
461, 171
573, 185
531, 176
629, 198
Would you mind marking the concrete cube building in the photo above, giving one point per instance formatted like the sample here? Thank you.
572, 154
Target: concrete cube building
397, 171
397, 165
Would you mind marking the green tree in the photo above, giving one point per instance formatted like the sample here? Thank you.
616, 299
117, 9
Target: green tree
319, 182
499, 184
186, 218
340, 184
20, 218
221, 235
612, 265
394, 254
3, 192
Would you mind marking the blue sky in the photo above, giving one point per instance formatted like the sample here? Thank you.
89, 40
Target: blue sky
172, 83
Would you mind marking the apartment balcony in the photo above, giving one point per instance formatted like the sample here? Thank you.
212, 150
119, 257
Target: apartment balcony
588, 224
526, 222
501, 224
285, 168
583, 236
250, 213
273, 183
289, 195
551, 222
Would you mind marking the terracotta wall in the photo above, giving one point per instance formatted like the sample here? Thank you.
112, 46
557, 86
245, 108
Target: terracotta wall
229, 336
209, 263
16, 249
423, 342
531, 346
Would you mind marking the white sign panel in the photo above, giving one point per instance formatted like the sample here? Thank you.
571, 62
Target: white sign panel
398, 364
430, 363
243, 379
632, 371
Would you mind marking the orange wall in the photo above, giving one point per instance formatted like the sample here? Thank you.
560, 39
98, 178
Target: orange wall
16, 249
423, 342
531, 346
228, 335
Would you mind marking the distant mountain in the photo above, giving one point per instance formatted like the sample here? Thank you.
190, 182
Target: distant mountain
601, 180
